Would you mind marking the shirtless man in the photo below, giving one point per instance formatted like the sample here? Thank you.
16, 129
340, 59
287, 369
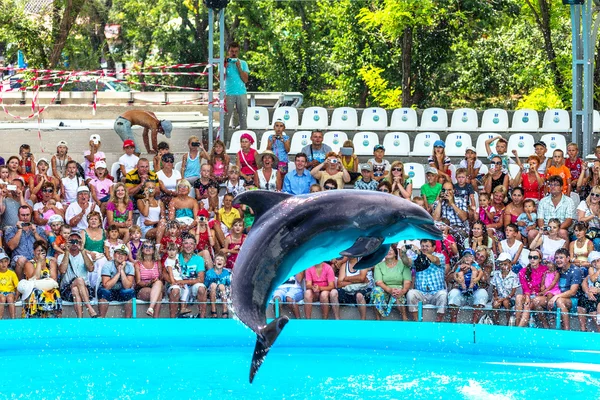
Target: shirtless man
148, 120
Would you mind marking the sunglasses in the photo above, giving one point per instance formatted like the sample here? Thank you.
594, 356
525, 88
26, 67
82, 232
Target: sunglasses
397, 169
595, 194
168, 160
52, 191
383, 190
496, 162
534, 257
147, 246
330, 187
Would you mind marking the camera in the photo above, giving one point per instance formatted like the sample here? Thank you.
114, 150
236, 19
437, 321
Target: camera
195, 144
334, 161
526, 165
232, 60
346, 151
25, 224
201, 219
407, 246
11, 187
150, 190
591, 164
546, 229
74, 241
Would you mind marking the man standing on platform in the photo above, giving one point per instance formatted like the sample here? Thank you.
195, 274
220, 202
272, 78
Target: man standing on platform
236, 77
149, 121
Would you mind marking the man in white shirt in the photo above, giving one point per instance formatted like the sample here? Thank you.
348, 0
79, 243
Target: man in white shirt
76, 215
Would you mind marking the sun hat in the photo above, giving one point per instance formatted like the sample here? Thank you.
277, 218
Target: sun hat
259, 157
439, 143
167, 127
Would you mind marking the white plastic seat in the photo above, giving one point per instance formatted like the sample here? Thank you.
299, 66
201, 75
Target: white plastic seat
299, 140
344, 118
335, 139
314, 118
404, 119
596, 121
452, 169
525, 120
416, 172
234, 144
289, 115
257, 118
434, 119
456, 144
494, 120
396, 144
178, 165
513, 170
364, 143
554, 142
423, 144
113, 170
464, 120
264, 140
522, 142
483, 169
480, 146
556, 120
373, 118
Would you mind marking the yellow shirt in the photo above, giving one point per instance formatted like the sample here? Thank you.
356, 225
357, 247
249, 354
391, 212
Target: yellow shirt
8, 282
228, 217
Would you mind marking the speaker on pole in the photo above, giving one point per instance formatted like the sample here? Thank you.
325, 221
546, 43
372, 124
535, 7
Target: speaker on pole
216, 5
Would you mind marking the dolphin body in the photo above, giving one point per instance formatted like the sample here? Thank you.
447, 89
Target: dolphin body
292, 233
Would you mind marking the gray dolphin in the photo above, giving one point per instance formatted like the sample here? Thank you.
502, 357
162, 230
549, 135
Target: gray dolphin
292, 233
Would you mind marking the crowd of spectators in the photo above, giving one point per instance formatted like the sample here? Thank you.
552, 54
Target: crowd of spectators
71, 232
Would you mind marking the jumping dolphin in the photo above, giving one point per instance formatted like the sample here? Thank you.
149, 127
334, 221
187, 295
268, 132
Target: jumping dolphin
292, 233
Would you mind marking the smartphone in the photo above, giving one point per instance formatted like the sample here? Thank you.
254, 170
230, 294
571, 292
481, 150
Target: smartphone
346, 151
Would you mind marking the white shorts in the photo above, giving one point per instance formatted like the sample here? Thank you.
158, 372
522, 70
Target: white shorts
295, 293
186, 293
479, 298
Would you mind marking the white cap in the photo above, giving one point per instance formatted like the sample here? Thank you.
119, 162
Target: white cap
62, 143
504, 257
100, 164
81, 189
593, 256
473, 149
43, 160
95, 137
55, 218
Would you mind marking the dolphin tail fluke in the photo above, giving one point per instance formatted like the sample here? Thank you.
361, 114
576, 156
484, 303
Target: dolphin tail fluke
264, 341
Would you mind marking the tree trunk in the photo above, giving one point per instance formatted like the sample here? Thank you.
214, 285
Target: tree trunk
70, 13
407, 38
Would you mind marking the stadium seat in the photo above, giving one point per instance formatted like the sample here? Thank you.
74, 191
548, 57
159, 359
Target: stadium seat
404, 119
522, 142
289, 115
396, 144
452, 169
557, 121
178, 165
553, 142
364, 143
456, 144
423, 145
257, 118
234, 144
264, 140
464, 120
494, 120
113, 170
314, 118
335, 139
513, 170
525, 120
434, 119
373, 119
344, 118
483, 169
480, 146
596, 121
416, 172
299, 140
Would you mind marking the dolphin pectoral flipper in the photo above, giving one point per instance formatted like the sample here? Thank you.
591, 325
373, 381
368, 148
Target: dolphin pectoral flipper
260, 201
264, 341
373, 258
363, 247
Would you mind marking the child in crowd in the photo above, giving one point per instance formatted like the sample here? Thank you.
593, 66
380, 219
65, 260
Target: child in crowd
486, 211
235, 185
464, 189
213, 202
315, 187
219, 160
59, 160
527, 220
60, 244
440, 161
173, 236
234, 241
201, 185
472, 164
128, 161
26, 162
447, 246
100, 186
431, 190
279, 143
111, 242
218, 283
505, 284
246, 159
558, 167
55, 223
540, 151
381, 167
248, 217
512, 246
501, 147
420, 201
549, 286
190, 163
135, 242
366, 181
174, 275
227, 214
581, 247
92, 156
575, 164
163, 148
468, 273
8, 287
70, 183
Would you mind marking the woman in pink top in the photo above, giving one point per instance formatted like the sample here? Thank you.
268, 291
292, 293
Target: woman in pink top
246, 159
531, 278
148, 279
319, 282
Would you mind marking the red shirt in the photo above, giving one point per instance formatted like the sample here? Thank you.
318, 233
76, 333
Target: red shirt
575, 167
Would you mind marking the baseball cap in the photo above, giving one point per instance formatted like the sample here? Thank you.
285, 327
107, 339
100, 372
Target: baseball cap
281, 121
76, 233
122, 249
431, 170
167, 127
593, 256
468, 251
504, 257
378, 147
203, 213
366, 167
473, 149
100, 164
95, 137
3, 256
439, 143
128, 143
62, 143
55, 218
81, 189
540, 143
43, 160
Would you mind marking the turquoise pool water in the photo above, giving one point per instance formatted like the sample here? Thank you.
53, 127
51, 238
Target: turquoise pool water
191, 359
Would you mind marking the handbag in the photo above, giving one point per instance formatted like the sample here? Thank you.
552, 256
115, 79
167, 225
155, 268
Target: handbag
592, 233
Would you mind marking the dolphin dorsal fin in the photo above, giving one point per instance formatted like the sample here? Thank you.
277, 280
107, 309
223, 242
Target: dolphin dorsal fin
260, 200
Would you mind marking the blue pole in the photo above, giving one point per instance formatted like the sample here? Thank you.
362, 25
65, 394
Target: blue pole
277, 307
558, 315
134, 308
420, 312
